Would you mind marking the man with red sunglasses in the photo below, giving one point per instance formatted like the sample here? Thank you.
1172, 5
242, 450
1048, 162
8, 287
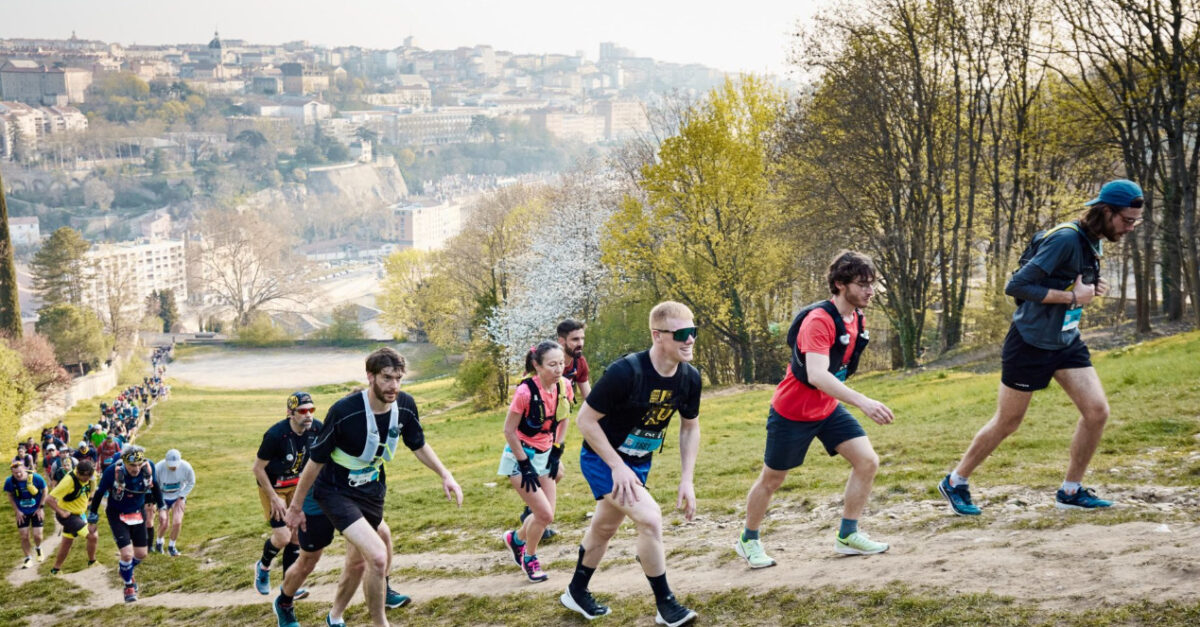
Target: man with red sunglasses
281, 457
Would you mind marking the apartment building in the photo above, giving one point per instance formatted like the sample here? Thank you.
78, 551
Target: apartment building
135, 270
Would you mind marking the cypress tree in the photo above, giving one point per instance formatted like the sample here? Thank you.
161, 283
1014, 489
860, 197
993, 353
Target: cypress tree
10, 301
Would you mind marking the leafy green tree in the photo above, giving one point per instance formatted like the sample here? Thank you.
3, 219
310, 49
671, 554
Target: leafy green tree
261, 332
76, 333
59, 267
709, 231
168, 310
10, 301
345, 328
16, 396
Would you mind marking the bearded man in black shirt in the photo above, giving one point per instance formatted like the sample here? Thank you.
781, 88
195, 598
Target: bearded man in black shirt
347, 474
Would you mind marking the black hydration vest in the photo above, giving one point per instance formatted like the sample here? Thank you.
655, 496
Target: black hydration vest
837, 352
675, 402
534, 420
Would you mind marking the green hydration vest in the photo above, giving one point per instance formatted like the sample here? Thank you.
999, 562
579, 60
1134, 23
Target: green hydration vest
364, 468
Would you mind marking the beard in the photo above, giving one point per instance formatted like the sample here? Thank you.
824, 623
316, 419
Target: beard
577, 353
381, 395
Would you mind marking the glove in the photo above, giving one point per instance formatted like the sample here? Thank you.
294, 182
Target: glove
555, 453
93, 518
529, 477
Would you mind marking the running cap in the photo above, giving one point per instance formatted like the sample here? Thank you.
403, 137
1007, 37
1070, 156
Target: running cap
173, 458
1118, 193
84, 445
51, 447
298, 399
133, 454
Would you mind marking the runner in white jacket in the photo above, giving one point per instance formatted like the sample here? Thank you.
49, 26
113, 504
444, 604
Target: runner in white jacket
176, 479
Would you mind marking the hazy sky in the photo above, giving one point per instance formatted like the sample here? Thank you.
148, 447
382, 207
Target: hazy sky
730, 35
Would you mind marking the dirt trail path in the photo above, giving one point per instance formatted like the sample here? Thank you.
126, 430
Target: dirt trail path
1115, 564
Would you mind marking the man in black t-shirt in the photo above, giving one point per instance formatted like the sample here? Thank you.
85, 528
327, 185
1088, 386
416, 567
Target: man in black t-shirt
346, 472
624, 421
281, 456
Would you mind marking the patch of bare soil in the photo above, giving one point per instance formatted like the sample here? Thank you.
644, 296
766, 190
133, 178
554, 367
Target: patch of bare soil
1009, 551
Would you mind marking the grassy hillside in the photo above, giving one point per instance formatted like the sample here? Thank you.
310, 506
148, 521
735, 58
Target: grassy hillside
1153, 388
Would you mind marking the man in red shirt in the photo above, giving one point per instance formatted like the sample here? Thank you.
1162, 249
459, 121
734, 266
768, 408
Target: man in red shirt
827, 339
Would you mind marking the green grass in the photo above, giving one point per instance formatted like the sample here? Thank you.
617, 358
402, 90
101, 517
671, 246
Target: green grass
1153, 388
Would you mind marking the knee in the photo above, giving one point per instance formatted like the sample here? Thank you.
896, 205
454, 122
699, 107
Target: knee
771, 481
377, 560
1097, 414
650, 524
544, 515
1006, 424
867, 464
356, 567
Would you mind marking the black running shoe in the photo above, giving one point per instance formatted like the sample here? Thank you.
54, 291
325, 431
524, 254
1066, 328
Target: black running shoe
672, 614
583, 603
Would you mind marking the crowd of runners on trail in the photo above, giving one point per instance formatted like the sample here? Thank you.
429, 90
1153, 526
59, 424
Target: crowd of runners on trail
104, 469
317, 477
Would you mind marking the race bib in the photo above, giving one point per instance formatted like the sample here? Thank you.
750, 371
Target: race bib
363, 476
1071, 319
27, 503
842, 373
640, 442
171, 487
132, 518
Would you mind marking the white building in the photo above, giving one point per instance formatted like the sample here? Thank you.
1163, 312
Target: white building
24, 231
135, 269
425, 224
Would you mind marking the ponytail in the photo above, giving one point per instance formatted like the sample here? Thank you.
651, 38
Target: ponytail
537, 353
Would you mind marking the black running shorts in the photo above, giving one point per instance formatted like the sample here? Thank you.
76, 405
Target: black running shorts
126, 534
1028, 368
788, 440
317, 532
344, 506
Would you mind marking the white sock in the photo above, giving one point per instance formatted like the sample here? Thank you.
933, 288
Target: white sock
957, 479
172, 544
1071, 487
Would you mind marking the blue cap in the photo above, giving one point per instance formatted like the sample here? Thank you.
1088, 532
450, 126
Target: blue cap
1118, 193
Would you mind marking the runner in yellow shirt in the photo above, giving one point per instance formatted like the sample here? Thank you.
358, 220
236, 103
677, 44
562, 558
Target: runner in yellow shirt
69, 500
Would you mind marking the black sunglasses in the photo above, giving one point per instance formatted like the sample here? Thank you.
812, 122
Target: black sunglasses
680, 335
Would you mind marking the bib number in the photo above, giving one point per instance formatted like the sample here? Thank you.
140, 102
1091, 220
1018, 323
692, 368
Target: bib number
132, 518
640, 443
363, 476
1071, 319
26, 503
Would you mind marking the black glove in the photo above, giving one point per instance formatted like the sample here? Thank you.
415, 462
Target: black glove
555, 453
529, 477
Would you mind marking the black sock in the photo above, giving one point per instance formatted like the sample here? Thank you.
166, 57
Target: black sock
150, 535
269, 553
285, 599
582, 576
659, 586
291, 553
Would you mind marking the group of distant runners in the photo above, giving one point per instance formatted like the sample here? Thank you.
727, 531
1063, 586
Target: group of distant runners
315, 478
106, 470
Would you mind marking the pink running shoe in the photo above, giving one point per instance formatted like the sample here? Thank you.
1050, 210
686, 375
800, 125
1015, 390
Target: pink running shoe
533, 569
518, 550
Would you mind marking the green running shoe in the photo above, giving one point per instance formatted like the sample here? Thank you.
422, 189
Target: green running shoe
753, 551
858, 543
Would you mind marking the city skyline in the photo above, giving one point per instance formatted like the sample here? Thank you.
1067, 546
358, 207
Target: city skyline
757, 39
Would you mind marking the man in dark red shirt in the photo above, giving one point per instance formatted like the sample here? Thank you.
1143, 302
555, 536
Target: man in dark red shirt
827, 339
